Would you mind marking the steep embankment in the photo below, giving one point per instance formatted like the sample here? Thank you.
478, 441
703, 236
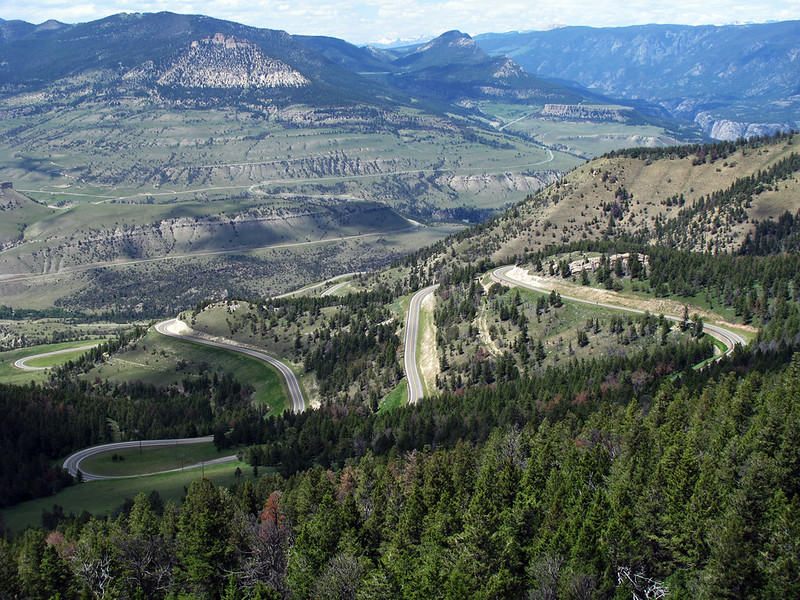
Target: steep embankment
66, 244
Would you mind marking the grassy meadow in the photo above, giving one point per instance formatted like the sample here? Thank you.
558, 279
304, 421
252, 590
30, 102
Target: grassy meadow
162, 360
11, 374
136, 461
102, 497
397, 397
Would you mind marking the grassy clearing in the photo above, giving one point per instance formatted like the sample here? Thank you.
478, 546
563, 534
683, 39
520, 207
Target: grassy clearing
103, 497
45, 362
220, 321
162, 360
559, 328
401, 305
397, 397
559, 334
38, 332
133, 461
722, 347
718, 343
11, 374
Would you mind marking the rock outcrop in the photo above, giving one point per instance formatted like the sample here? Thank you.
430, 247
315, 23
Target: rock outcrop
725, 129
586, 113
222, 62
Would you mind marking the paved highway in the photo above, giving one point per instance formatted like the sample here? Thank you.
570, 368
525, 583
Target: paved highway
73, 462
415, 389
335, 288
20, 363
295, 393
314, 286
730, 338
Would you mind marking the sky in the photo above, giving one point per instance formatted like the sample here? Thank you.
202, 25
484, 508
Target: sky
382, 21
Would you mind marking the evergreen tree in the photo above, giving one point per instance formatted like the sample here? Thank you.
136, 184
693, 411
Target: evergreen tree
206, 528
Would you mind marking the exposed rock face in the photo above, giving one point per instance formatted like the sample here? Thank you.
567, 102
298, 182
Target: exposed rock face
585, 113
724, 129
225, 62
508, 69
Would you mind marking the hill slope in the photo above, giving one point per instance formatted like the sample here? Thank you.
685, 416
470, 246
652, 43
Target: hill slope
699, 198
454, 68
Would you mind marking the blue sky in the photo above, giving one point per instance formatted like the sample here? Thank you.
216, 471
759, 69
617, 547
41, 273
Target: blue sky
361, 22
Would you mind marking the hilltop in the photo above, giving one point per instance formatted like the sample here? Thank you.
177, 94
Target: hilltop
707, 198
452, 67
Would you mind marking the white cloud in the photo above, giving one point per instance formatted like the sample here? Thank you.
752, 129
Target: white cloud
361, 21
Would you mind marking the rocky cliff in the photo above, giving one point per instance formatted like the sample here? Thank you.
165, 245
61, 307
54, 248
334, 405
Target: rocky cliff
222, 62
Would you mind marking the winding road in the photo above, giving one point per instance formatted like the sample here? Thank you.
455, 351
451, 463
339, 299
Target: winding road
314, 286
728, 337
21, 363
73, 462
334, 288
169, 328
415, 389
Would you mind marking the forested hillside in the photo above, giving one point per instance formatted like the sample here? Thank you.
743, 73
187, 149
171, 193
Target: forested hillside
692, 488
564, 448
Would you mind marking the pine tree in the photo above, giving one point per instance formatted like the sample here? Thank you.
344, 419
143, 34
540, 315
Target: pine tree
56, 577
205, 529
780, 560
315, 545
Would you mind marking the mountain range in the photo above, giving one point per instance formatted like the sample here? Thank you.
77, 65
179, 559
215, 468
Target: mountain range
732, 81
729, 81
174, 53
143, 53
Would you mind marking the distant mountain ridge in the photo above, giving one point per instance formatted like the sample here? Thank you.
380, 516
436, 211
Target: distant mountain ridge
177, 52
732, 81
192, 59
450, 47
450, 68
15, 30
